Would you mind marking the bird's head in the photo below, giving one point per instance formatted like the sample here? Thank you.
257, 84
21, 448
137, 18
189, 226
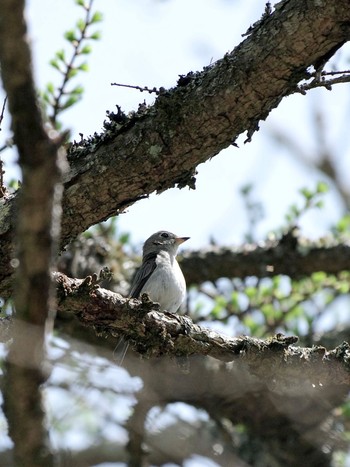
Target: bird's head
163, 241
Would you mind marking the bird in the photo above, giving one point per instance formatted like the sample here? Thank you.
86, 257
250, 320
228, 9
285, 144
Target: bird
160, 275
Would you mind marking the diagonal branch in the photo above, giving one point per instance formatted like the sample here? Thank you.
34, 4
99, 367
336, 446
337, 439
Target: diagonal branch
161, 146
156, 334
251, 381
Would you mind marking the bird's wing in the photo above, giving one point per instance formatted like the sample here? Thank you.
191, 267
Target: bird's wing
143, 274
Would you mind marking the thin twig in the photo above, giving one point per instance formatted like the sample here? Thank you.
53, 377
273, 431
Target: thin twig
332, 73
140, 88
2, 186
316, 83
69, 66
3, 111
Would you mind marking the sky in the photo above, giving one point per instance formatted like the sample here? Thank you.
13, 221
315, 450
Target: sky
149, 43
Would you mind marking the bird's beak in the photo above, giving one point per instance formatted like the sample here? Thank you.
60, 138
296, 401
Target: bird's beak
180, 240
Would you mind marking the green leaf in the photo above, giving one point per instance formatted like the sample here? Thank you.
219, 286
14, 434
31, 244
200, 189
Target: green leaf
251, 324
58, 125
83, 67
319, 277
86, 49
343, 287
328, 298
77, 90
14, 184
72, 72
69, 102
235, 300
319, 204
344, 276
81, 24
124, 238
308, 194
60, 54
343, 224
70, 36
269, 311
295, 312
46, 98
54, 64
221, 300
322, 187
276, 280
250, 292
220, 304
95, 36
295, 210
97, 17
50, 88
266, 291
216, 311
80, 2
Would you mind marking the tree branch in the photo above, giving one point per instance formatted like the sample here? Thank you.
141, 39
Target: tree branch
291, 256
161, 146
258, 382
322, 82
156, 333
251, 381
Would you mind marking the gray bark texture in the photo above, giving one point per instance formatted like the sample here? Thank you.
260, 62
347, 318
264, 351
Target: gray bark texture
36, 238
281, 392
160, 147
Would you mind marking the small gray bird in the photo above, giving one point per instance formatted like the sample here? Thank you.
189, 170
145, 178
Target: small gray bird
159, 276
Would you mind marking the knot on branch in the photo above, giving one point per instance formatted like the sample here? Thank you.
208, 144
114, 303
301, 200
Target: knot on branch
342, 352
289, 240
280, 341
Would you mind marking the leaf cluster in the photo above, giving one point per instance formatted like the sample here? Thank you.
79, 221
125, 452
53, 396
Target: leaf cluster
70, 64
265, 306
311, 199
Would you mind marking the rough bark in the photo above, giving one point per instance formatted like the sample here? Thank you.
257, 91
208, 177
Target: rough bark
258, 383
254, 382
158, 334
35, 235
161, 146
290, 256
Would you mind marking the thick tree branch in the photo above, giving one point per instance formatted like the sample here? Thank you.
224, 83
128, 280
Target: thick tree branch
158, 333
260, 385
251, 381
291, 256
161, 146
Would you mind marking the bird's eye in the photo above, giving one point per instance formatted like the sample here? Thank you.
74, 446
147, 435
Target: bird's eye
164, 235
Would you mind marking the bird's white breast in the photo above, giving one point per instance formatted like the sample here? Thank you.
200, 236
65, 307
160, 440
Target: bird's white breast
167, 284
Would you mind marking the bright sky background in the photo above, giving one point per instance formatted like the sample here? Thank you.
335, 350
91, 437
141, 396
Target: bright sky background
149, 43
